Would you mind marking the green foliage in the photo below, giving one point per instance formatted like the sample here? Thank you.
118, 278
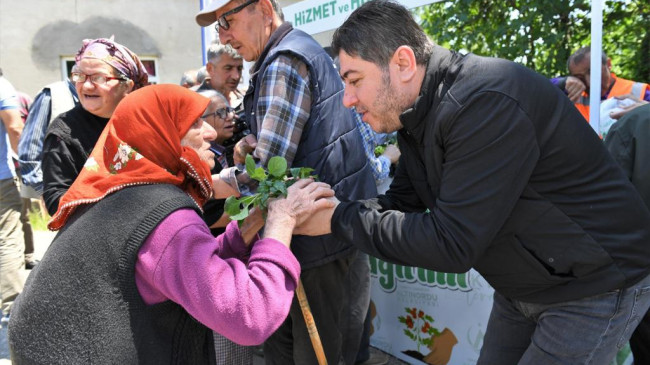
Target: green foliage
38, 219
272, 184
543, 34
379, 150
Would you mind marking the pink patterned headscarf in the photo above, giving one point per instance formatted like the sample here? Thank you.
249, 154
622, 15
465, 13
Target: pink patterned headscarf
116, 55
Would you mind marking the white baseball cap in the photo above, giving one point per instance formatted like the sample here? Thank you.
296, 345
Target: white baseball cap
208, 15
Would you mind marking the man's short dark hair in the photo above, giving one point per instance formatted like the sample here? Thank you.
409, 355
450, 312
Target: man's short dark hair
376, 29
580, 54
0, 71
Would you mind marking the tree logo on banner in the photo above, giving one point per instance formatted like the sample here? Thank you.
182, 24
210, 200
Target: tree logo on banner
419, 329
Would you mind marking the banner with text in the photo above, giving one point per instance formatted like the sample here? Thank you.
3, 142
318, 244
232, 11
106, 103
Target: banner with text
315, 16
428, 317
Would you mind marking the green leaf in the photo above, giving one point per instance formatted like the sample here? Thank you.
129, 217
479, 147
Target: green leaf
258, 174
232, 206
295, 172
250, 165
280, 187
277, 166
305, 172
241, 215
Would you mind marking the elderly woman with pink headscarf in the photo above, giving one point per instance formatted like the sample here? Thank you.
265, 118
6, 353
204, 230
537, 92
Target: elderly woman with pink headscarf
106, 72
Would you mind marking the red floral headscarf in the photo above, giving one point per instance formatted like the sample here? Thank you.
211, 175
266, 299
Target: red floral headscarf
141, 144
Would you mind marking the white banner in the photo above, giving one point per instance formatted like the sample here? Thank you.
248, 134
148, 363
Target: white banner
427, 317
316, 16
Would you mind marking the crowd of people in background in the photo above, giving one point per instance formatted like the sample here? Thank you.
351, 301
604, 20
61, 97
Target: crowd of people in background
484, 172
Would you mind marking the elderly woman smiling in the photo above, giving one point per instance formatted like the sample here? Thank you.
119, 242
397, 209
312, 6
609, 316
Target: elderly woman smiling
106, 72
134, 276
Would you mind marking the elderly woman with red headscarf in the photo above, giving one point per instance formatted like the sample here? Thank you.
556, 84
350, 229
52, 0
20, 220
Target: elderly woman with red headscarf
134, 275
107, 72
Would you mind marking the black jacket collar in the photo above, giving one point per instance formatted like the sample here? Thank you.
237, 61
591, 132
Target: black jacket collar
415, 118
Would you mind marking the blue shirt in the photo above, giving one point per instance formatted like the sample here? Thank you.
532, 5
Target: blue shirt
8, 100
380, 165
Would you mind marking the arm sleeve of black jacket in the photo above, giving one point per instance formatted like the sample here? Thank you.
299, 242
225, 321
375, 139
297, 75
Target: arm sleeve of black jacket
620, 144
490, 153
59, 171
401, 194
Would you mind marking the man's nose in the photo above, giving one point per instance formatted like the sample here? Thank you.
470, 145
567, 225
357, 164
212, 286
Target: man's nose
349, 98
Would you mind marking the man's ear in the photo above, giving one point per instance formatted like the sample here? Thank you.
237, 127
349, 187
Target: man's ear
403, 63
267, 9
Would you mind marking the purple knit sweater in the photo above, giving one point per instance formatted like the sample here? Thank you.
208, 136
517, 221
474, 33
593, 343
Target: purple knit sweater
246, 301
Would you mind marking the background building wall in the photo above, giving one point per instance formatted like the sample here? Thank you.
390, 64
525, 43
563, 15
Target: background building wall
36, 34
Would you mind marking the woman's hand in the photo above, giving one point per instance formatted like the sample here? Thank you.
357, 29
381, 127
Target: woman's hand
304, 199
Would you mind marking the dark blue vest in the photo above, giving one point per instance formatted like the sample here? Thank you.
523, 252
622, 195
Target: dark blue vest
330, 143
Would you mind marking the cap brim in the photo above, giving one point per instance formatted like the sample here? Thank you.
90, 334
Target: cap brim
208, 15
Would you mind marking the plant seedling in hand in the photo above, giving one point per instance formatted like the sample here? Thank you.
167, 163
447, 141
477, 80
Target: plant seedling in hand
273, 183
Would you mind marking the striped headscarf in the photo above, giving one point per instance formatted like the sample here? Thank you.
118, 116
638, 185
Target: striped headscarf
116, 55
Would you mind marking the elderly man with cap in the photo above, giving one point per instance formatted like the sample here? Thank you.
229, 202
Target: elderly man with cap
107, 71
295, 110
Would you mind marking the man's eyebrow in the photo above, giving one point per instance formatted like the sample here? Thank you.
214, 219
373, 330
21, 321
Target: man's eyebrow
346, 73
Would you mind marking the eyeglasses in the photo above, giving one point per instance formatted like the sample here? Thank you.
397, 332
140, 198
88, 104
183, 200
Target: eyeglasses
223, 23
97, 79
222, 113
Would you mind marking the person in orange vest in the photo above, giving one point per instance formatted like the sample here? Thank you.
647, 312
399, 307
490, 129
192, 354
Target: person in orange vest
577, 84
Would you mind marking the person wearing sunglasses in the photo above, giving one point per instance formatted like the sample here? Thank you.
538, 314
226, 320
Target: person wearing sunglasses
294, 109
220, 117
106, 72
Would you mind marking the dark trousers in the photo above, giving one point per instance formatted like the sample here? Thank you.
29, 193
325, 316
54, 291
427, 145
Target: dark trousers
640, 342
291, 344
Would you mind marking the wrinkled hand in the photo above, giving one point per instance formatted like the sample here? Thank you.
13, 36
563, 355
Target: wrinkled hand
305, 198
441, 348
392, 153
244, 147
251, 225
574, 88
633, 103
319, 223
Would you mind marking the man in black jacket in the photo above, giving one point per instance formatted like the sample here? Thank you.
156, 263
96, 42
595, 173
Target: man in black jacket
498, 172
629, 143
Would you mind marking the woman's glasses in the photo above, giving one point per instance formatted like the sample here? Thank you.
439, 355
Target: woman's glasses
222, 113
97, 79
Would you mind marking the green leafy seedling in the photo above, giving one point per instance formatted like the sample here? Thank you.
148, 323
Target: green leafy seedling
272, 184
